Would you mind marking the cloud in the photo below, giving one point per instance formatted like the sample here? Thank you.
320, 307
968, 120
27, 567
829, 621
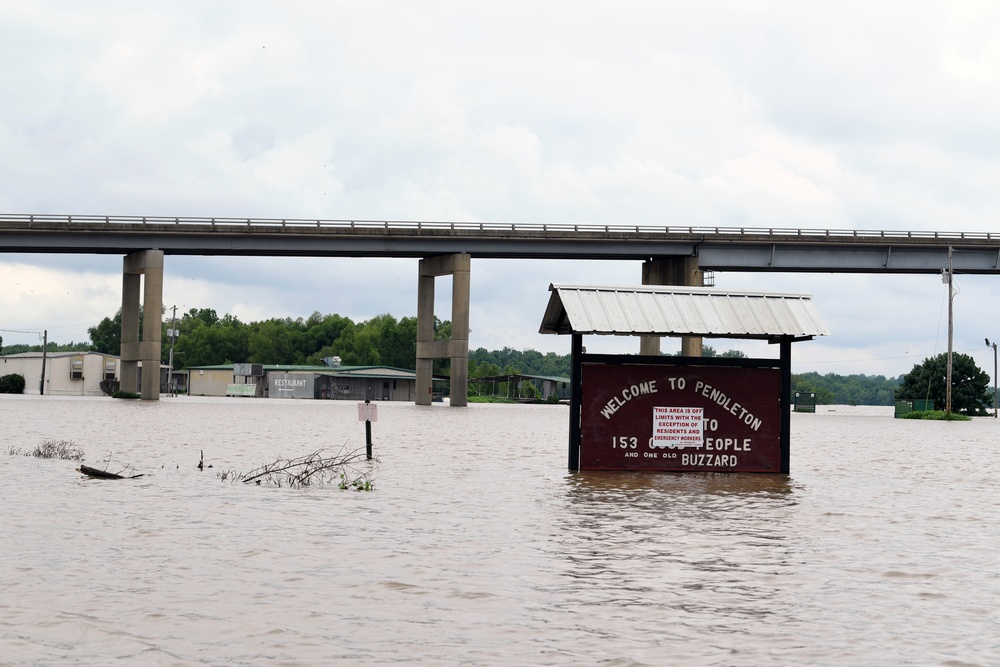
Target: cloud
775, 114
38, 299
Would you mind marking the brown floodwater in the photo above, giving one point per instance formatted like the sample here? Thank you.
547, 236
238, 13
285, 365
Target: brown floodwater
479, 548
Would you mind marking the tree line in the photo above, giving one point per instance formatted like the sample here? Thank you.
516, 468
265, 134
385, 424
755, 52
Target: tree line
206, 339
833, 389
971, 390
20, 348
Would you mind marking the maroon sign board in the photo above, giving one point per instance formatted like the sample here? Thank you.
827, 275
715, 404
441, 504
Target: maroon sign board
680, 418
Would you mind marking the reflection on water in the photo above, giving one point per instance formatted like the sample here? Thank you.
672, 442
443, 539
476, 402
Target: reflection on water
479, 548
686, 554
593, 484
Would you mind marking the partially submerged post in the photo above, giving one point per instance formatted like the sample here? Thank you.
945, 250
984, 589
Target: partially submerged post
680, 414
368, 413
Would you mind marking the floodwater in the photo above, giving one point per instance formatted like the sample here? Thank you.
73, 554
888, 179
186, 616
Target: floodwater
478, 548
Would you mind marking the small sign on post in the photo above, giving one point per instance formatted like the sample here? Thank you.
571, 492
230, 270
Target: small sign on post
368, 413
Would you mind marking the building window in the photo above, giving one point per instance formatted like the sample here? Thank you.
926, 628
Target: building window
76, 368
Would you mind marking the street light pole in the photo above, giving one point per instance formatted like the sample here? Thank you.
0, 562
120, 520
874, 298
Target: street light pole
995, 397
172, 333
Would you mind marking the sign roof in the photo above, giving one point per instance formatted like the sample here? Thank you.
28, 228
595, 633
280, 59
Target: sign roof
680, 311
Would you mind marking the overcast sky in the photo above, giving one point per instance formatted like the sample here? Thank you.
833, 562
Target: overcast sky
865, 115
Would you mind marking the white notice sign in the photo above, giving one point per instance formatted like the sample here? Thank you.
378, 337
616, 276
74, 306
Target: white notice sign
367, 412
677, 428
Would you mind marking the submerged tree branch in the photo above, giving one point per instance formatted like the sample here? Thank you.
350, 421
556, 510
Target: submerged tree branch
347, 469
97, 473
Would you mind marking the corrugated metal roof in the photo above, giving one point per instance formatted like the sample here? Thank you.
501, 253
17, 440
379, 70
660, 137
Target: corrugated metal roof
375, 371
375, 374
680, 311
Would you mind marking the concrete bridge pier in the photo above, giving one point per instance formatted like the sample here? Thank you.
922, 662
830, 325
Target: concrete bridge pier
458, 266
148, 263
681, 271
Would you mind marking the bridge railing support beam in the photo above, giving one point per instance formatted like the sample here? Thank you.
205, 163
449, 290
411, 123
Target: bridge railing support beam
137, 265
681, 271
456, 349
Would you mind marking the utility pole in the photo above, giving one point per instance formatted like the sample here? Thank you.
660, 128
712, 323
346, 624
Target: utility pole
172, 333
951, 331
45, 349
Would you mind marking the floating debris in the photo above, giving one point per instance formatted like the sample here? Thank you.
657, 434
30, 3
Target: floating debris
97, 473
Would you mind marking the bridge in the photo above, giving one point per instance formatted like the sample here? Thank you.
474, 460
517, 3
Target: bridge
670, 255
717, 248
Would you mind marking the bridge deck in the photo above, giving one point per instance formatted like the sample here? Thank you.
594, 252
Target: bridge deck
717, 248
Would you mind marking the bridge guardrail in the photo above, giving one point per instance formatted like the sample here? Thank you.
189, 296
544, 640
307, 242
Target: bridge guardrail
493, 226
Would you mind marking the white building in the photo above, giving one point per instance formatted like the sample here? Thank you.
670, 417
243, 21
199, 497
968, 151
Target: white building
66, 373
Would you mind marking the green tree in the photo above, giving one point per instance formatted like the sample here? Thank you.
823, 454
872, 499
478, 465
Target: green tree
530, 362
206, 340
442, 329
206, 316
106, 336
270, 342
323, 337
483, 369
970, 393
708, 351
399, 342
365, 350
320, 331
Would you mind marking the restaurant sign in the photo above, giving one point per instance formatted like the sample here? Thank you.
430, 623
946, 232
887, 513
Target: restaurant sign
680, 418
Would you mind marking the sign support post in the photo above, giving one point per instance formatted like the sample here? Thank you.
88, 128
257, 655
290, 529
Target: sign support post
576, 398
368, 412
368, 436
786, 404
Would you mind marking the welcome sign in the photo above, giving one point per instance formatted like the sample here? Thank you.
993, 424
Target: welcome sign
680, 418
